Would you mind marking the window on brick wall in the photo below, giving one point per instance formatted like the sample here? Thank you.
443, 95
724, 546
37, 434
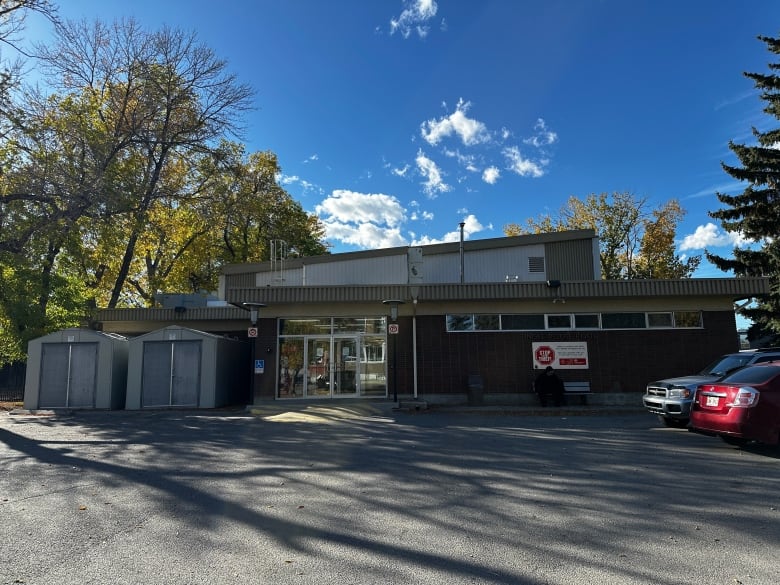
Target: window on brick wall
569, 321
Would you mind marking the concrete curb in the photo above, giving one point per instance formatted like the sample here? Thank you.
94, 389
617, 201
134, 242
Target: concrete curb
537, 411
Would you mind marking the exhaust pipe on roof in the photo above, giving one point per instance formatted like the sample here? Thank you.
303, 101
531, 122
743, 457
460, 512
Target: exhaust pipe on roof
462, 225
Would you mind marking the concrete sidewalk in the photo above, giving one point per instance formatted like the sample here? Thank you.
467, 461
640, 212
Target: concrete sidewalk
354, 408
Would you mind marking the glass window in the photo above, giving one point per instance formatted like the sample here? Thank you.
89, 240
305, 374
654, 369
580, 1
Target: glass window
373, 349
304, 326
358, 324
559, 321
586, 321
752, 375
521, 322
727, 364
623, 320
460, 322
486, 322
659, 319
687, 318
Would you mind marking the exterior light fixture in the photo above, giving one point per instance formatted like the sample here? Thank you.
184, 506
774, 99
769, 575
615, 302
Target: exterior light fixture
254, 310
393, 303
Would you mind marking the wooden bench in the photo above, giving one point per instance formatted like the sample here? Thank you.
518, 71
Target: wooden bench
581, 389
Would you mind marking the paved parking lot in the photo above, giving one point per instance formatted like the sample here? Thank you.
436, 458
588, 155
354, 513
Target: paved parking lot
337, 495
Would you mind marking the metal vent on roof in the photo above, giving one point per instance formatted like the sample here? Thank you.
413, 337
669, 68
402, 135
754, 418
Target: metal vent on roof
536, 264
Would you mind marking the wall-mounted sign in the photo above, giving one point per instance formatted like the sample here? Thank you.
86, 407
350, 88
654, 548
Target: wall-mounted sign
561, 355
259, 366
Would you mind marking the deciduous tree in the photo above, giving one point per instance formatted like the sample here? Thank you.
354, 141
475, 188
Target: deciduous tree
634, 242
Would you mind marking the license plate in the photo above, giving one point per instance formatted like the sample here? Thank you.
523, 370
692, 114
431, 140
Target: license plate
712, 401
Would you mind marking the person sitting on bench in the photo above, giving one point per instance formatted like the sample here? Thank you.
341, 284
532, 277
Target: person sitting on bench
549, 385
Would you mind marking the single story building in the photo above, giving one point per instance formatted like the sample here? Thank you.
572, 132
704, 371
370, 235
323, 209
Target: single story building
425, 321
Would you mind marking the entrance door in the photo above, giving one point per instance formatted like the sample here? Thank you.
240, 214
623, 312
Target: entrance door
345, 366
318, 368
373, 366
292, 374
336, 366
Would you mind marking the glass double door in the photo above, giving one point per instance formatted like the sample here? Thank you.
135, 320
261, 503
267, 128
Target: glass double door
330, 366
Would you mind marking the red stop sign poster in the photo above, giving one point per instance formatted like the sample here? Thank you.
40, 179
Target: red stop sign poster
566, 355
544, 355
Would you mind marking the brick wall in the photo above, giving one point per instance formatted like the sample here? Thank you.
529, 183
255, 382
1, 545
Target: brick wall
620, 361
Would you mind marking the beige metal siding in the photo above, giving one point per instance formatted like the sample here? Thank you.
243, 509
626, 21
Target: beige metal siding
287, 277
492, 265
239, 280
570, 260
361, 271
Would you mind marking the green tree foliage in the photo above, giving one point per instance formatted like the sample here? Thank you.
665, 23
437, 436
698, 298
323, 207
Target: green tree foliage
755, 213
123, 183
634, 242
166, 98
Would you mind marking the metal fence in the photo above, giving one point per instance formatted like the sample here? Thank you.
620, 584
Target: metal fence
12, 382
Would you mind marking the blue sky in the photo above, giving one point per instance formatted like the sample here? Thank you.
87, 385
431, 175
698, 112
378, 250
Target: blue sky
395, 120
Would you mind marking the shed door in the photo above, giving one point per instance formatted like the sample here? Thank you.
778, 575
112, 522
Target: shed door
171, 373
68, 375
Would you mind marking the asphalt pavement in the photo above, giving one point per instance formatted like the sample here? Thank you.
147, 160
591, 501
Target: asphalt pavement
343, 493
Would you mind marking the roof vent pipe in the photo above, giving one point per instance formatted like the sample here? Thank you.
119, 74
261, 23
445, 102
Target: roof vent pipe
462, 225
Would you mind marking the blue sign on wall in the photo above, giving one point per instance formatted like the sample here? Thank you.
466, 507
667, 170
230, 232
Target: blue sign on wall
259, 366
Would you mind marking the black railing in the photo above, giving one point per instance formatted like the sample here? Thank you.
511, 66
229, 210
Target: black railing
12, 382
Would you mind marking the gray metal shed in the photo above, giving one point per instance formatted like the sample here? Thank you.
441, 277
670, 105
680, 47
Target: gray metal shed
76, 368
180, 367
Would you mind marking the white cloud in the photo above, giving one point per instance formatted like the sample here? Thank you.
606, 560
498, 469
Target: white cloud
353, 207
523, 166
426, 241
414, 18
467, 161
421, 216
470, 131
710, 235
306, 186
400, 172
434, 182
366, 220
728, 187
364, 235
491, 175
543, 136
472, 226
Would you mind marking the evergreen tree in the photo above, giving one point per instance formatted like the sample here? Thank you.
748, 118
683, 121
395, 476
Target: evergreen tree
755, 213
